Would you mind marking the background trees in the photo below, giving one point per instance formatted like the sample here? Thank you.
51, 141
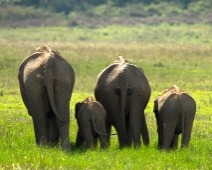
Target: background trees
67, 6
89, 13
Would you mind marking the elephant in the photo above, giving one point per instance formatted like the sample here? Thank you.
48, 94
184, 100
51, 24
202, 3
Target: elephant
175, 112
91, 119
46, 83
124, 91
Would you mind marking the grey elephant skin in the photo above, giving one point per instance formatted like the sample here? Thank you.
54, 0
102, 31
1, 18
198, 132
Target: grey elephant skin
46, 83
175, 112
124, 91
91, 119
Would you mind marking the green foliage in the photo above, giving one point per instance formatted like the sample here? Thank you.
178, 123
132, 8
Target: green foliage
22, 13
168, 55
200, 6
22, 9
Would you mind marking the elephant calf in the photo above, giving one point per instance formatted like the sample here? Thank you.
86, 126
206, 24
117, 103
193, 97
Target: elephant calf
91, 119
174, 111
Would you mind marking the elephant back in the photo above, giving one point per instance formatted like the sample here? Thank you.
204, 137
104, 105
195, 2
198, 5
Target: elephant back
176, 99
122, 72
46, 58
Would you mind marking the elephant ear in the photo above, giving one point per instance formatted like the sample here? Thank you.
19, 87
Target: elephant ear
77, 107
155, 109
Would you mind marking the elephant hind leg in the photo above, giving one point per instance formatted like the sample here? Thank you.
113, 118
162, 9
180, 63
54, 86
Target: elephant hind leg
103, 141
129, 136
53, 130
123, 142
87, 132
36, 131
90, 141
95, 143
168, 134
108, 131
186, 135
41, 127
144, 131
63, 127
79, 140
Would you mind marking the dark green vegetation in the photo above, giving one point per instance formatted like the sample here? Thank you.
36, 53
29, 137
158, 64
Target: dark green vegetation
96, 13
169, 55
98, 6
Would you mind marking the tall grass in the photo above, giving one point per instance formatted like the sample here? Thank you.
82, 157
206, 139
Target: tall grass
185, 63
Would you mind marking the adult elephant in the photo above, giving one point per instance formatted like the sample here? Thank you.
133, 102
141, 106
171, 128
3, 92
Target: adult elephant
174, 111
46, 83
124, 91
91, 119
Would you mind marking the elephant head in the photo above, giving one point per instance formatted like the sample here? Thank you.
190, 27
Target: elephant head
124, 91
46, 83
91, 119
174, 111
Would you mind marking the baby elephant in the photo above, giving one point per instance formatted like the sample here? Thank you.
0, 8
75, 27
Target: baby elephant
91, 119
174, 111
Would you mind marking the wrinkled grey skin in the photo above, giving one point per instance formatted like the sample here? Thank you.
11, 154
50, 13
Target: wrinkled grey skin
91, 119
124, 91
46, 84
174, 111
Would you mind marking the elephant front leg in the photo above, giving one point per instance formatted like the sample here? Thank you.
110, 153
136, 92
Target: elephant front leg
174, 142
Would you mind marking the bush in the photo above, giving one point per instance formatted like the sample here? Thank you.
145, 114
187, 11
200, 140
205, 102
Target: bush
21, 13
200, 6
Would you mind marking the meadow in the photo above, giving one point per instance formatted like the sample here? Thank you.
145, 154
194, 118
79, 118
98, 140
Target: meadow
169, 54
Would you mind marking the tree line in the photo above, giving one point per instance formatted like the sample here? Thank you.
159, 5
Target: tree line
66, 6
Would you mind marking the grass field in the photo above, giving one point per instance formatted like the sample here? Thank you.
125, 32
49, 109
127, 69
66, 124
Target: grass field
180, 55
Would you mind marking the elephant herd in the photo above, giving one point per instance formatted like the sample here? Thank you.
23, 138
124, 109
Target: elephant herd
122, 92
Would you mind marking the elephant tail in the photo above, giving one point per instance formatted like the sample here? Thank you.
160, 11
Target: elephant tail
123, 105
49, 81
124, 93
94, 122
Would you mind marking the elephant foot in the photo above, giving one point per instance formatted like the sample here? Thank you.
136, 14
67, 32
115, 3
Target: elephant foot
104, 146
66, 146
137, 146
52, 144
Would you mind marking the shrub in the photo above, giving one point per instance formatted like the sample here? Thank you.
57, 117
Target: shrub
20, 13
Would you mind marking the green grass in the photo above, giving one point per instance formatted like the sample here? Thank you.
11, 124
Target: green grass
172, 60
164, 33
